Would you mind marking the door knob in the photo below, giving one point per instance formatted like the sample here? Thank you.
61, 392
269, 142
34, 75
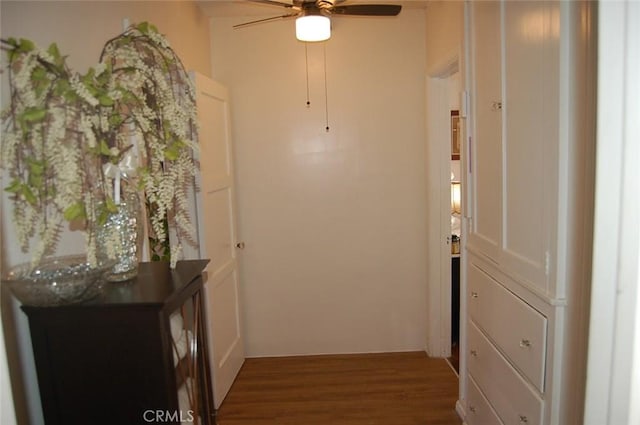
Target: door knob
240, 245
525, 343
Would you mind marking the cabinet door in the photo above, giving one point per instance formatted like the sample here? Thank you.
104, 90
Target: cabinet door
531, 111
515, 64
486, 138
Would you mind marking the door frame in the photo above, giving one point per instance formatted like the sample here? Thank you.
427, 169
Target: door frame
438, 160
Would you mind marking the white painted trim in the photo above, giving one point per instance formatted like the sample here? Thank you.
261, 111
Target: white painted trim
461, 411
613, 370
436, 98
465, 73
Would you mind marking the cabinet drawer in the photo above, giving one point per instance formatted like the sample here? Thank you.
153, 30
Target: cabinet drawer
509, 394
516, 328
480, 411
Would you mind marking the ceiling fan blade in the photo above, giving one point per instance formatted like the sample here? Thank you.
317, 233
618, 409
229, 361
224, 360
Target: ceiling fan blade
259, 21
367, 10
273, 3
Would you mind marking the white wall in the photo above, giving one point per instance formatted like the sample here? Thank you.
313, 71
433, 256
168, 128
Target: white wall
334, 222
444, 31
613, 371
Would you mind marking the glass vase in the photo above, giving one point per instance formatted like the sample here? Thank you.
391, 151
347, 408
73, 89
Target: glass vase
120, 238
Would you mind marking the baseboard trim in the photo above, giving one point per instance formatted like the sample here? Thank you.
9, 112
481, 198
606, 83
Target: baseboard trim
460, 410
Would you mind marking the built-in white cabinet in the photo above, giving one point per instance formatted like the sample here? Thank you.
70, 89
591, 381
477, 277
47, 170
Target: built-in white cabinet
514, 149
529, 161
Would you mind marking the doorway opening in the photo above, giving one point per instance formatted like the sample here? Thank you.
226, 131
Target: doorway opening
444, 174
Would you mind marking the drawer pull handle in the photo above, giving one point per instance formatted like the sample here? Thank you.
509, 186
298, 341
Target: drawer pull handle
523, 419
474, 353
474, 295
525, 343
472, 409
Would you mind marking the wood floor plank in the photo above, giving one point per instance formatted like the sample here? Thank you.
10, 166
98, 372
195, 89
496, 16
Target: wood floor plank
368, 389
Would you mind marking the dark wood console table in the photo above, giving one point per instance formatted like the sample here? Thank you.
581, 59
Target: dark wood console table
135, 355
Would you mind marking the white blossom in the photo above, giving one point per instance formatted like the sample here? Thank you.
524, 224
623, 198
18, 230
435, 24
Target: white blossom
157, 97
82, 91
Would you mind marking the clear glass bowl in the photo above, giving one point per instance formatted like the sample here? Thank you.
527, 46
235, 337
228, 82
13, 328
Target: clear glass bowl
57, 281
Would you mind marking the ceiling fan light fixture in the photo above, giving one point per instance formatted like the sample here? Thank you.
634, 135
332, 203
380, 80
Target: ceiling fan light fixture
313, 28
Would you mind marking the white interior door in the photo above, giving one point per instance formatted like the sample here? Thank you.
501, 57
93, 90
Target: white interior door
217, 235
439, 94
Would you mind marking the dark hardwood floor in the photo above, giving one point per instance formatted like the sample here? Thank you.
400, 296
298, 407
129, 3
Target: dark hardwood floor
369, 389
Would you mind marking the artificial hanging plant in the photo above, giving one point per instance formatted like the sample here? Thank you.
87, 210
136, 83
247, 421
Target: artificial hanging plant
65, 133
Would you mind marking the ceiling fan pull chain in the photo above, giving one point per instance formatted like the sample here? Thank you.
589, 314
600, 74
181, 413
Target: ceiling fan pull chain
326, 96
306, 64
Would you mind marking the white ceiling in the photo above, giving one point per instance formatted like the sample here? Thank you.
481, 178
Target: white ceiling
225, 8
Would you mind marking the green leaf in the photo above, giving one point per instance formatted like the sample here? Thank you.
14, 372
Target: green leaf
89, 75
105, 100
115, 120
36, 181
124, 40
23, 125
143, 27
39, 74
36, 173
26, 45
104, 148
75, 211
70, 95
112, 207
36, 167
104, 78
172, 152
39, 80
62, 87
28, 194
128, 97
103, 216
106, 209
14, 187
34, 114
12, 52
54, 51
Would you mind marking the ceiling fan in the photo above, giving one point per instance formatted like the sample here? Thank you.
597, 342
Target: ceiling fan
312, 16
